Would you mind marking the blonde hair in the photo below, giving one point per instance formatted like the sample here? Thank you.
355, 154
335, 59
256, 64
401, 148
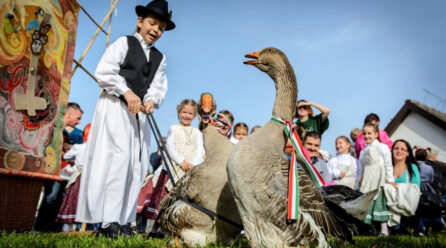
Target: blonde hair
354, 133
185, 102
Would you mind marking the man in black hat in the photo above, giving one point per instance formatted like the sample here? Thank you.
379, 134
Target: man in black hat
132, 74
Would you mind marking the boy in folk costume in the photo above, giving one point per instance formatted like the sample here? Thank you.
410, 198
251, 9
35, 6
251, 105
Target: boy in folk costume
131, 72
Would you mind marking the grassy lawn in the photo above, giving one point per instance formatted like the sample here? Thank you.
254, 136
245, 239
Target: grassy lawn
67, 240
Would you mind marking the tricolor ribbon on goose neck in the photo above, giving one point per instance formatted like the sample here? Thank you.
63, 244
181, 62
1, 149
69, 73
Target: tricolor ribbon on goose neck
293, 179
218, 124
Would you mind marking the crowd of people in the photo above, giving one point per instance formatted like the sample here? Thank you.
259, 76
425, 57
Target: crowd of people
107, 182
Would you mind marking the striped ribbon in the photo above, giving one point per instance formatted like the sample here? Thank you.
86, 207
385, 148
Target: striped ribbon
293, 181
219, 124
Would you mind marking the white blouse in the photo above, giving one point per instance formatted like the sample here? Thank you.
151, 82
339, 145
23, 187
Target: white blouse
185, 143
342, 159
386, 157
107, 72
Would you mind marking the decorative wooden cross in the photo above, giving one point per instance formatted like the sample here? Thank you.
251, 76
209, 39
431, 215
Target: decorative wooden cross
29, 101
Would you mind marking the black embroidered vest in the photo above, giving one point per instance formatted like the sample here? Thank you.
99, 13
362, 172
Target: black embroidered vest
139, 73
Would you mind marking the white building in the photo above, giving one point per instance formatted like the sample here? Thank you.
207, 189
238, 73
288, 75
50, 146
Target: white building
420, 125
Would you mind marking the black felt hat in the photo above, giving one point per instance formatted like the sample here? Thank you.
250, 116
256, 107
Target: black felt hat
160, 9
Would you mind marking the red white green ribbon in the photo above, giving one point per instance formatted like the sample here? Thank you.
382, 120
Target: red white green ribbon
293, 181
219, 124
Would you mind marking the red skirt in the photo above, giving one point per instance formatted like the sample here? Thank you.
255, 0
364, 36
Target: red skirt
152, 210
67, 211
145, 195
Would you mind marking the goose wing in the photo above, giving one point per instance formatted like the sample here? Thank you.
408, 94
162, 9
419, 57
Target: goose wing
310, 202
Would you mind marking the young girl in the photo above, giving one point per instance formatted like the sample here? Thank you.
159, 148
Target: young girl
184, 142
67, 212
343, 167
132, 74
375, 169
185, 146
226, 119
240, 132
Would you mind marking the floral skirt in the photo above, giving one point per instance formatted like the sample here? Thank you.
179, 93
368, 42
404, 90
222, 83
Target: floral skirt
151, 211
67, 211
378, 209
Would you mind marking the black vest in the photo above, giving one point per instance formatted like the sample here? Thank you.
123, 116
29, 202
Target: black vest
139, 73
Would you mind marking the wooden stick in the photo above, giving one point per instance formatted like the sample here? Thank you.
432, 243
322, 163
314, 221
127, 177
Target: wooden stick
94, 36
109, 27
83, 68
91, 18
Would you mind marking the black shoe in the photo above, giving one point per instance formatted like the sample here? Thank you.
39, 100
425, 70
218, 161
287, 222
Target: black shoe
157, 235
111, 231
127, 230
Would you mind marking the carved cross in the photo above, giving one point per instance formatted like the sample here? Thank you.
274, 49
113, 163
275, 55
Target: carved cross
29, 101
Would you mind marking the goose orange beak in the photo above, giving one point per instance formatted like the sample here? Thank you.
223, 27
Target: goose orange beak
207, 103
254, 55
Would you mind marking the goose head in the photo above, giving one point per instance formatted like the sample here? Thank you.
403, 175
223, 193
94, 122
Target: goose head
206, 106
271, 61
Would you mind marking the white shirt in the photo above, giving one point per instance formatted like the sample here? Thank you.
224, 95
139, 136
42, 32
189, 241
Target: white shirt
346, 159
185, 143
386, 156
107, 72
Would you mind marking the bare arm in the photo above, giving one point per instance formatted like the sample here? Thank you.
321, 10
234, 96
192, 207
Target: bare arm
324, 110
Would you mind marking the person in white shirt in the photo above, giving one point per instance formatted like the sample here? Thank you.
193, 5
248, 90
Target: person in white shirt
342, 168
184, 144
132, 75
240, 132
374, 170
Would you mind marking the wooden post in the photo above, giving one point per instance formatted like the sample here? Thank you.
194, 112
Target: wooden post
29, 101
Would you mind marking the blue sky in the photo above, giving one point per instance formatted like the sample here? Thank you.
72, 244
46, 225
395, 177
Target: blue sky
354, 57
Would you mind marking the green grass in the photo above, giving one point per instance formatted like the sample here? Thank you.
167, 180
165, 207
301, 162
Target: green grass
63, 240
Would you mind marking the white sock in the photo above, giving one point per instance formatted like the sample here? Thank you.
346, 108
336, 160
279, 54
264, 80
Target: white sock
384, 228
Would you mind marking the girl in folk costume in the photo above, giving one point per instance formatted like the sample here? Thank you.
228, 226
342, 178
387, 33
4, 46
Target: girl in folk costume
132, 75
67, 212
185, 146
240, 132
374, 170
343, 167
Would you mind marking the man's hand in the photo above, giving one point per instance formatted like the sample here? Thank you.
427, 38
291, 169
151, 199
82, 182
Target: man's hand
133, 102
148, 107
342, 174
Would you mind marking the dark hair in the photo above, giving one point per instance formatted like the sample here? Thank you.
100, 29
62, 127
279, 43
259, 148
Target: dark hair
371, 117
312, 134
409, 159
75, 106
241, 125
420, 154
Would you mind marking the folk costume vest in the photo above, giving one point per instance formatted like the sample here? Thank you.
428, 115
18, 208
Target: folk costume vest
139, 73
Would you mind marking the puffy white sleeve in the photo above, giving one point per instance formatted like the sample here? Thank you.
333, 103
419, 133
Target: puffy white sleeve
198, 159
72, 153
170, 146
107, 71
333, 168
158, 87
360, 167
387, 157
356, 164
